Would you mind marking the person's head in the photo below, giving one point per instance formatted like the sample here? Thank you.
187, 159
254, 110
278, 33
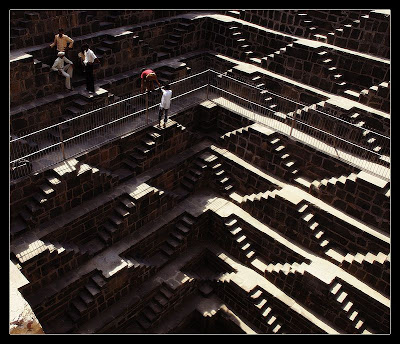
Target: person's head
60, 32
167, 86
84, 47
61, 54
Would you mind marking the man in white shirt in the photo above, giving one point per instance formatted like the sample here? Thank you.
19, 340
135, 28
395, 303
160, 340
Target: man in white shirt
165, 104
64, 67
90, 58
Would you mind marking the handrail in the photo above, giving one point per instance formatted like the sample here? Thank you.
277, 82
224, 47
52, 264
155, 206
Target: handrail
298, 120
95, 110
118, 114
297, 103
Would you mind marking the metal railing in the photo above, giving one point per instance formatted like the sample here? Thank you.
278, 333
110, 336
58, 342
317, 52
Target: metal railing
37, 151
357, 146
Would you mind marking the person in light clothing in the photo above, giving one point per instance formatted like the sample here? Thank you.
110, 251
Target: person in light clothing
165, 104
65, 68
90, 58
62, 42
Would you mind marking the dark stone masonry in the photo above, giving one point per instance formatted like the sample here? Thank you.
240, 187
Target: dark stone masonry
261, 206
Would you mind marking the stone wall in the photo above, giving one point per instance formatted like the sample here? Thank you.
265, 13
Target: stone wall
55, 192
30, 28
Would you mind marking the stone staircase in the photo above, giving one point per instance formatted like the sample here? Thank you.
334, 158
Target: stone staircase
260, 301
173, 44
193, 176
225, 137
276, 58
176, 238
43, 259
162, 301
86, 298
287, 167
36, 206
44, 203
240, 240
109, 232
157, 306
316, 235
132, 162
377, 96
349, 308
224, 183
244, 50
330, 183
248, 200
286, 268
370, 258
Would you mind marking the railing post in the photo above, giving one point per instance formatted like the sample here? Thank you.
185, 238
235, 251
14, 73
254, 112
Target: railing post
334, 139
293, 121
147, 107
208, 82
62, 142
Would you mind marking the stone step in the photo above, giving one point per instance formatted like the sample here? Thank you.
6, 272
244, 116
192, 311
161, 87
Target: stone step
128, 204
114, 221
155, 307
47, 190
98, 280
187, 221
104, 236
182, 228
137, 157
172, 243
187, 185
79, 306
73, 315
161, 300
121, 211
143, 321
129, 164
167, 250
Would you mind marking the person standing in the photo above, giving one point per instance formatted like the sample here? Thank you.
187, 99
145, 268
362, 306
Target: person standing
62, 42
64, 67
90, 59
165, 104
148, 77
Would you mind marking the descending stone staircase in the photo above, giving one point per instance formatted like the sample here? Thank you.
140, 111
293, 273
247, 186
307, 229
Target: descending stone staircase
380, 257
223, 182
81, 304
316, 234
287, 268
260, 301
351, 311
247, 200
35, 206
108, 232
240, 240
155, 307
192, 178
330, 183
176, 238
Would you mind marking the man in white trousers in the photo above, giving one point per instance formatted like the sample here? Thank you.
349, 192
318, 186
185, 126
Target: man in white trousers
64, 67
165, 104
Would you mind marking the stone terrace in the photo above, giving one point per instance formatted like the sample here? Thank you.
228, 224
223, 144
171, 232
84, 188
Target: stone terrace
214, 223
